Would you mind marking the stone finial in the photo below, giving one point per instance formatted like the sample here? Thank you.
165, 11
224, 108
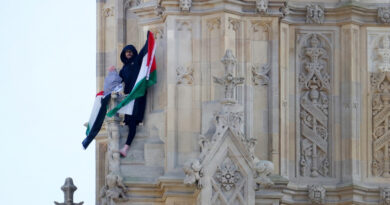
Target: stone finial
185, 5
315, 14
385, 196
68, 188
316, 193
229, 81
384, 15
229, 61
262, 6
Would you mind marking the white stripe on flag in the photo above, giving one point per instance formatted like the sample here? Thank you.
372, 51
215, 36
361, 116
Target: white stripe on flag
95, 110
151, 61
128, 109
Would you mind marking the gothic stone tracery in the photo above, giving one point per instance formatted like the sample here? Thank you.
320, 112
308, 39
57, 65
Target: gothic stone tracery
380, 83
380, 88
314, 87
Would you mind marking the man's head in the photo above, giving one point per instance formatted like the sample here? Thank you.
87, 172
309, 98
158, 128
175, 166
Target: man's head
128, 54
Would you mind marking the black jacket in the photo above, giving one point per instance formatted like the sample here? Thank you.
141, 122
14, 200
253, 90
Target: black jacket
129, 74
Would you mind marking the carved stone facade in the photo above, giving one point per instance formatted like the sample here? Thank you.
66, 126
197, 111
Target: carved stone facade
256, 102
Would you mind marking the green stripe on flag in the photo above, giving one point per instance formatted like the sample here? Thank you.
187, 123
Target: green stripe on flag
88, 130
138, 91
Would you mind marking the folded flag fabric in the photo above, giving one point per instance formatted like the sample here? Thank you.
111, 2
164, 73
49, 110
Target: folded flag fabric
147, 77
112, 83
96, 120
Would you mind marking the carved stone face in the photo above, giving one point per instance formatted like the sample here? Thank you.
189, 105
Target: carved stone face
185, 5
262, 5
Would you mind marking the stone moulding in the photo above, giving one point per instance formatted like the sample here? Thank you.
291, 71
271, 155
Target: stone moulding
290, 12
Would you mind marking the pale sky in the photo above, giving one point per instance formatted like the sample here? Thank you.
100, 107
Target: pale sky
47, 80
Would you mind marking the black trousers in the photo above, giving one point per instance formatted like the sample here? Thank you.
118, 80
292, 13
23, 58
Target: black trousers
132, 124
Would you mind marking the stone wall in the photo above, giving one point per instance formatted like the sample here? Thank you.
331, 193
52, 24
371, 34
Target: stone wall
315, 98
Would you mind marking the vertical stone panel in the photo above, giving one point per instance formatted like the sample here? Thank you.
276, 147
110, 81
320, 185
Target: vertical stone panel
314, 91
212, 47
378, 53
185, 98
259, 63
317, 102
350, 89
284, 98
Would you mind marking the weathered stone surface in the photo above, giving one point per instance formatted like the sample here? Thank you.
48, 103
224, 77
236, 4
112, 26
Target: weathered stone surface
299, 99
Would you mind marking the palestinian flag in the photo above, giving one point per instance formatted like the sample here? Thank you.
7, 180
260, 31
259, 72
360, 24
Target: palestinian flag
99, 111
147, 75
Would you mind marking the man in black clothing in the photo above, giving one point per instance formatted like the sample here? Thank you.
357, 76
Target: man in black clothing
129, 73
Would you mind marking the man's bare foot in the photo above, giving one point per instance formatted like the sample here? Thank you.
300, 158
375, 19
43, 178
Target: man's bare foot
124, 150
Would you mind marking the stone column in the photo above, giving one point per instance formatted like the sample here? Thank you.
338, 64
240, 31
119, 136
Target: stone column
350, 99
114, 190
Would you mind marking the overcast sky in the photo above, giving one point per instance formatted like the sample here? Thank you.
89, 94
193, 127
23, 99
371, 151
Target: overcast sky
47, 81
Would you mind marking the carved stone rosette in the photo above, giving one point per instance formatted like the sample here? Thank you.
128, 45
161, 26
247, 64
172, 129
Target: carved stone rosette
380, 85
384, 15
184, 75
315, 14
227, 175
314, 86
316, 194
385, 196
